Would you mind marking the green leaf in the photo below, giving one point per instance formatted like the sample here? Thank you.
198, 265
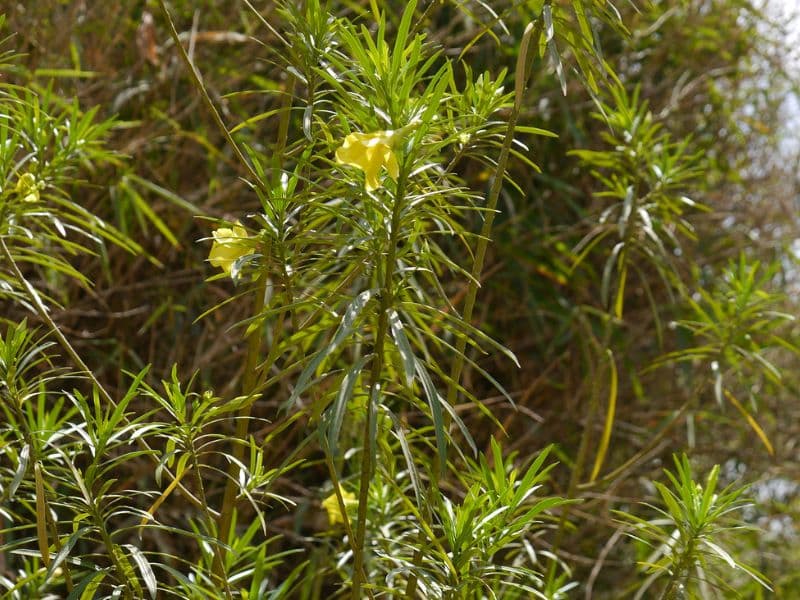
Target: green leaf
144, 568
66, 548
401, 342
20, 471
402, 35
144, 208
434, 401
345, 329
87, 588
334, 417
610, 411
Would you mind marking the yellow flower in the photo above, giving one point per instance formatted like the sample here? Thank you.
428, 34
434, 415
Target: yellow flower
228, 246
27, 188
370, 152
331, 505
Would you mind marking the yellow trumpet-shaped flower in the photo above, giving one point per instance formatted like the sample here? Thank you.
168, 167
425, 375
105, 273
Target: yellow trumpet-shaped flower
27, 188
229, 245
331, 506
370, 152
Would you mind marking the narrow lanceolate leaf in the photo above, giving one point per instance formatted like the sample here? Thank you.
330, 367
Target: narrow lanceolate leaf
126, 572
752, 422
434, 402
41, 515
143, 206
64, 551
610, 411
22, 468
547, 15
119, 410
408, 456
335, 415
401, 341
345, 328
164, 495
87, 588
608, 271
144, 568
620, 299
402, 35
719, 551
583, 22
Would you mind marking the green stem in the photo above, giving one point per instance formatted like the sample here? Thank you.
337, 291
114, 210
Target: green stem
198, 84
337, 490
583, 448
615, 310
250, 380
386, 300
114, 552
348, 528
522, 73
249, 385
633, 460
411, 584
10, 397
218, 557
575, 476
682, 568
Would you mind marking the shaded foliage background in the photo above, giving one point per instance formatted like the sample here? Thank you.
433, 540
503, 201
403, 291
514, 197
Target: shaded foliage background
710, 74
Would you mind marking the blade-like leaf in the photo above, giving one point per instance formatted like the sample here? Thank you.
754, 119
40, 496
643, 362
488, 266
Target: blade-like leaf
144, 568
610, 411
346, 327
401, 341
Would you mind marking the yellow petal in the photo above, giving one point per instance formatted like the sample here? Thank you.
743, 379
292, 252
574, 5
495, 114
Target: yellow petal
369, 152
27, 188
331, 506
391, 164
228, 246
349, 155
375, 164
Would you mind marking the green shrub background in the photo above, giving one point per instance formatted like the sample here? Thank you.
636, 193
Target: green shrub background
590, 391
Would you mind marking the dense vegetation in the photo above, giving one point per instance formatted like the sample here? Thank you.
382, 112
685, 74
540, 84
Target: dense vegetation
397, 299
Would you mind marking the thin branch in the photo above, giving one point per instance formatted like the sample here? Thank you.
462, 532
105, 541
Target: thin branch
198, 83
